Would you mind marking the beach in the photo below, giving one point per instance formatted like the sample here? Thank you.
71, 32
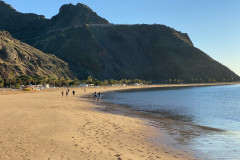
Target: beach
43, 125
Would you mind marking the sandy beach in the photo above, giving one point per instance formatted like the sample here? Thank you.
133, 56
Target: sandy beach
43, 125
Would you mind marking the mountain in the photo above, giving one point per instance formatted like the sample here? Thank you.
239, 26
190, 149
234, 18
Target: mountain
22, 59
22, 26
93, 46
150, 52
73, 15
25, 26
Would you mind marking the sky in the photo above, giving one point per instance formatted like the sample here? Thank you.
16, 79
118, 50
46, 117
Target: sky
213, 25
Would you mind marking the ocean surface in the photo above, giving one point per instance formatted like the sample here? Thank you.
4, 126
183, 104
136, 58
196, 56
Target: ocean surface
212, 114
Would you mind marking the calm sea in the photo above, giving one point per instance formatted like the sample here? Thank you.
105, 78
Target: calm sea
212, 114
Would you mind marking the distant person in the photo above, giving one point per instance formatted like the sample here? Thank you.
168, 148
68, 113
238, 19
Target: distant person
99, 95
68, 90
66, 93
95, 95
62, 94
73, 92
84, 90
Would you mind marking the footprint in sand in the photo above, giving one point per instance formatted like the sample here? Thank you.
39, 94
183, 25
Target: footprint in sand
118, 156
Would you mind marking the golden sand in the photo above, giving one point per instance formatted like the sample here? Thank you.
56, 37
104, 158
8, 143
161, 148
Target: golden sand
45, 126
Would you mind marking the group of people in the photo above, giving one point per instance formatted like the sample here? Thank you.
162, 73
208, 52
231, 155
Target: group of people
67, 92
97, 95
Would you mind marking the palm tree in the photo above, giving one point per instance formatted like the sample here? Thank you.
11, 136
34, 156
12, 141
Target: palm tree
28, 79
53, 80
19, 81
89, 80
40, 80
25, 79
111, 81
60, 81
11, 76
45, 78
105, 82
76, 82
67, 80
35, 80
1, 82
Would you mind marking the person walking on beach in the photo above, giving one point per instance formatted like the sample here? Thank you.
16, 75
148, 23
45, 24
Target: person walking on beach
73, 92
95, 95
99, 95
66, 93
62, 94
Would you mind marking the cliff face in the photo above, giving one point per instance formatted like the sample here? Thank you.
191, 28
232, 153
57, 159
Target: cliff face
22, 59
92, 46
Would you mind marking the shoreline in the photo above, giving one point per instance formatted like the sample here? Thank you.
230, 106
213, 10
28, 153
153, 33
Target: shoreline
45, 126
131, 87
173, 129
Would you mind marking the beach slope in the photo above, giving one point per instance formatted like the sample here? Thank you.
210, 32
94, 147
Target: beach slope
43, 125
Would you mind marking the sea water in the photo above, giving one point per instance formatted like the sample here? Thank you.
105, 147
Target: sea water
213, 109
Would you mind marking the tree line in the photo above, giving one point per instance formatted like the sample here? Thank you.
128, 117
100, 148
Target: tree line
12, 82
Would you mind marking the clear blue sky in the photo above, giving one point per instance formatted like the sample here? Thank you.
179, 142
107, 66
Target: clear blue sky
213, 25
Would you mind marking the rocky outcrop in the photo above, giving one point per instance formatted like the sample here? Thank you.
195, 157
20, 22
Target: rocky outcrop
22, 59
74, 15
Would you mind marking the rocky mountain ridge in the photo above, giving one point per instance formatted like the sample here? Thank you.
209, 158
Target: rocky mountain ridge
93, 46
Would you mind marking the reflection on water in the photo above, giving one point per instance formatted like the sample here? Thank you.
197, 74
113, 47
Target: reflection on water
208, 110
219, 146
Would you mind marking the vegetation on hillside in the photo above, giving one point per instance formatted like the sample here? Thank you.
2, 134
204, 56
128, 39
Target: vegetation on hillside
60, 82
13, 82
17, 58
151, 52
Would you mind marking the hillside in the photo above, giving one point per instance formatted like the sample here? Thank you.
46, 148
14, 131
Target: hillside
93, 46
150, 52
22, 59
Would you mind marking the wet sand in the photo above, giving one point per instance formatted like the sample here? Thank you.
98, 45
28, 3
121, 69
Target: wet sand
43, 125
